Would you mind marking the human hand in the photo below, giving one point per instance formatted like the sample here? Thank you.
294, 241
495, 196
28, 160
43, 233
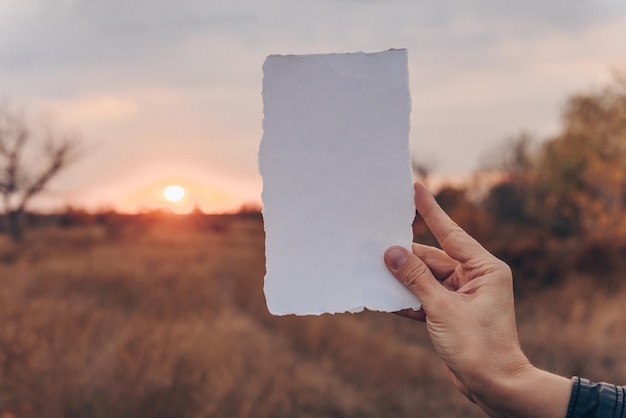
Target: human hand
467, 304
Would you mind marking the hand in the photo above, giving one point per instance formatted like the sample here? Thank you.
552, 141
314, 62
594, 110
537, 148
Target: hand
467, 304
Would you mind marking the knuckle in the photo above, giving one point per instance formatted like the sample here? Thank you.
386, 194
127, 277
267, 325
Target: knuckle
503, 267
414, 273
506, 269
455, 234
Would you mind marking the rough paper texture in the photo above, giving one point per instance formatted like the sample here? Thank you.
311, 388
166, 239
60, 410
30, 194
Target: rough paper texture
337, 184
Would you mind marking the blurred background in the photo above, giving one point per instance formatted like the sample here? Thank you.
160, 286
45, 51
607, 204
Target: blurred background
131, 239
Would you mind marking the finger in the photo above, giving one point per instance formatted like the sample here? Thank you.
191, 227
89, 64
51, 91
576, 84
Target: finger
454, 240
439, 263
415, 275
412, 314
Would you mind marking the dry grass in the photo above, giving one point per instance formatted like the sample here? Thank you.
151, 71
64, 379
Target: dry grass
168, 319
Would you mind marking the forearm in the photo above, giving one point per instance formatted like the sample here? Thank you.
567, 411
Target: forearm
528, 394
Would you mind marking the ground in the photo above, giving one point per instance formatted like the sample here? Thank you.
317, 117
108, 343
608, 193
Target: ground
166, 317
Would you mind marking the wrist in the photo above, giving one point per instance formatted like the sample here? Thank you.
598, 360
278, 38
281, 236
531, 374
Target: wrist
526, 392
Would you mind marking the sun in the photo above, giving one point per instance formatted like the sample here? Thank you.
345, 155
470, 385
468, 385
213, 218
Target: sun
174, 193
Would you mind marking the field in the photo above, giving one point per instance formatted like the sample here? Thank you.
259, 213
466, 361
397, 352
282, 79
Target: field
165, 317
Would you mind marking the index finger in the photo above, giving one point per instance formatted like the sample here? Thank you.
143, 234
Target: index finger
457, 243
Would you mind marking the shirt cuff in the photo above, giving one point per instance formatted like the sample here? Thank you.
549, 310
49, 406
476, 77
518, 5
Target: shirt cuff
595, 400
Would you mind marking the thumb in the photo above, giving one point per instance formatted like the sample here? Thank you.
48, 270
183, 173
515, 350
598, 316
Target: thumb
413, 273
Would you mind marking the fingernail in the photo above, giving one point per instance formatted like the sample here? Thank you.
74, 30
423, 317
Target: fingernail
395, 257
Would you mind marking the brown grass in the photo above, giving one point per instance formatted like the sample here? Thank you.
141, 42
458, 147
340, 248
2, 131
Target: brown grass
167, 319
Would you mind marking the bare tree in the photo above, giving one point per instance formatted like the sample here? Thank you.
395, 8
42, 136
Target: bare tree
422, 169
513, 157
20, 178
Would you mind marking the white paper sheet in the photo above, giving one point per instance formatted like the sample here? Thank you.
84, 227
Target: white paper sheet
337, 183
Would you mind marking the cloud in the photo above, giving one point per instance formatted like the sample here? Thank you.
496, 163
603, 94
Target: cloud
522, 86
182, 78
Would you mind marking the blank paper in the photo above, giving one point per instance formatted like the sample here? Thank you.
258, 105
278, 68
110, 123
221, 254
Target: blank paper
337, 182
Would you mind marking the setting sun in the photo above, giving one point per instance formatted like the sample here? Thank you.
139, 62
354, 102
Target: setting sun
179, 195
174, 193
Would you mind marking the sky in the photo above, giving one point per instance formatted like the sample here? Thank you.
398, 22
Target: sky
169, 91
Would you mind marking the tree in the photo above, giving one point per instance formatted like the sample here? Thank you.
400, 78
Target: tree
514, 161
422, 169
580, 176
575, 183
514, 158
23, 174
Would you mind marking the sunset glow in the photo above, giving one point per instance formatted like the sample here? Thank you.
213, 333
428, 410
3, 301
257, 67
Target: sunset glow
178, 195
